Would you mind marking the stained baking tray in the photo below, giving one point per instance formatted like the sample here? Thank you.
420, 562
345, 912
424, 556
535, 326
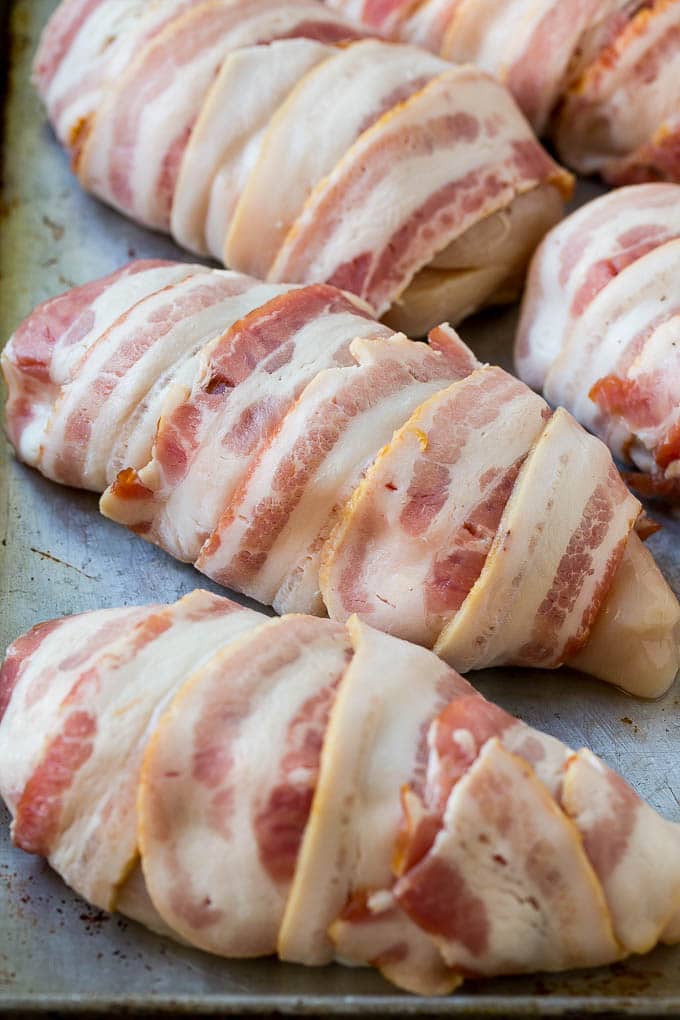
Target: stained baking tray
59, 556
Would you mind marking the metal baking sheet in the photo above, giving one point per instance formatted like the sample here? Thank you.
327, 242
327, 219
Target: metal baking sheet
59, 556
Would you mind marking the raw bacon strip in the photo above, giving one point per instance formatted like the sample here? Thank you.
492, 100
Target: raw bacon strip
368, 756
621, 100
134, 149
627, 382
44, 352
78, 805
39, 670
268, 542
86, 45
343, 235
119, 369
635, 853
373, 928
507, 886
657, 159
222, 152
251, 377
220, 828
354, 89
171, 391
414, 537
579, 258
553, 558
528, 43
612, 356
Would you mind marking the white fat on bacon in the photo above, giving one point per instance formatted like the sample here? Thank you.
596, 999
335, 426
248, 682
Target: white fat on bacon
361, 214
219, 826
488, 891
352, 89
375, 744
158, 334
415, 535
528, 43
249, 378
374, 930
579, 258
39, 671
629, 91
134, 148
325, 791
222, 151
45, 351
95, 744
634, 852
83, 38
552, 560
268, 542
627, 334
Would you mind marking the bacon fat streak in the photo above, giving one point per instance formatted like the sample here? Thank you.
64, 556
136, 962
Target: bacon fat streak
391, 816
599, 77
600, 326
298, 451
194, 117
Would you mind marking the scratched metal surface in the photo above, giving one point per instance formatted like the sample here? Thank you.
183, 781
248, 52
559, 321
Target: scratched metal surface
59, 556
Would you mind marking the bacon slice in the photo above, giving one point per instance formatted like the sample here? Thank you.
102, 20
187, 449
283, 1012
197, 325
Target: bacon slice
374, 930
86, 44
78, 806
220, 828
355, 87
579, 258
268, 542
507, 886
342, 234
368, 757
553, 558
415, 536
153, 337
624, 96
635, 852
38, 672
133, 151
222, 152
249, 379
625, 388
45, 351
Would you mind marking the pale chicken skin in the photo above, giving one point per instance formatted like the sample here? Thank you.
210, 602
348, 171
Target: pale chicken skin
193, 117
296, 450
392, 817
